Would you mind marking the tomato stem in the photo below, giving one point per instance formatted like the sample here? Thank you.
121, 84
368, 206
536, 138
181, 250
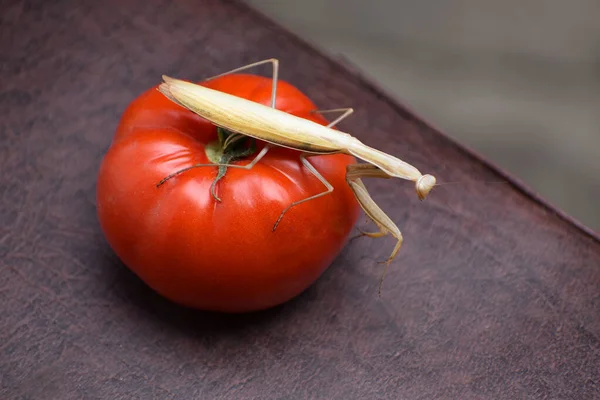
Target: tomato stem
228, 148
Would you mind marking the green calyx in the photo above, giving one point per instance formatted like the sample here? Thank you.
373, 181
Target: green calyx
228, 148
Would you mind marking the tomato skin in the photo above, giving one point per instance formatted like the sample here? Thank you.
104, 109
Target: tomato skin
222, 256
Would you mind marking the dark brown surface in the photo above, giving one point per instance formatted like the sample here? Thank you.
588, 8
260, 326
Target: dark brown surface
495, 298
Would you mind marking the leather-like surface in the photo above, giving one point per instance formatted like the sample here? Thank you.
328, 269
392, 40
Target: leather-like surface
492, 295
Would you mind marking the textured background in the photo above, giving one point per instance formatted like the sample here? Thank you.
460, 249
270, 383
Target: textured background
519, 81
496, 297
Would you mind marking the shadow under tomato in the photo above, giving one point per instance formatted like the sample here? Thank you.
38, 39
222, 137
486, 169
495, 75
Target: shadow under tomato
154, 309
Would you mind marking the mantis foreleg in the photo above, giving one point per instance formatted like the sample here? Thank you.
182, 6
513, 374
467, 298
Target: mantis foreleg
354, 173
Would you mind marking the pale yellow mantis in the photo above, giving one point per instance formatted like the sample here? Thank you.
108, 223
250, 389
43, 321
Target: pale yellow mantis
279, 128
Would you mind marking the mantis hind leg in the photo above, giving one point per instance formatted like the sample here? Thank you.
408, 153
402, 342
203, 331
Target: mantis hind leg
320, 177
275, 75
354, 173
251, 164
345, 113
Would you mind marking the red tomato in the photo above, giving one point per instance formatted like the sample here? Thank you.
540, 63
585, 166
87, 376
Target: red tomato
220, 256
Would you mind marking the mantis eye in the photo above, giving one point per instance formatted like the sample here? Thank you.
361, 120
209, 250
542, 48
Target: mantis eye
424, 185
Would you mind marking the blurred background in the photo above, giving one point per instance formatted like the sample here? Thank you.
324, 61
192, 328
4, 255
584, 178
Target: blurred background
516, 80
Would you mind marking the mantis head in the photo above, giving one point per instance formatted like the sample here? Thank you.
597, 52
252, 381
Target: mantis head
424, 185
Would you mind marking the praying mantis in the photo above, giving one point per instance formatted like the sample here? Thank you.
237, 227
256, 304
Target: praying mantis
277, 128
